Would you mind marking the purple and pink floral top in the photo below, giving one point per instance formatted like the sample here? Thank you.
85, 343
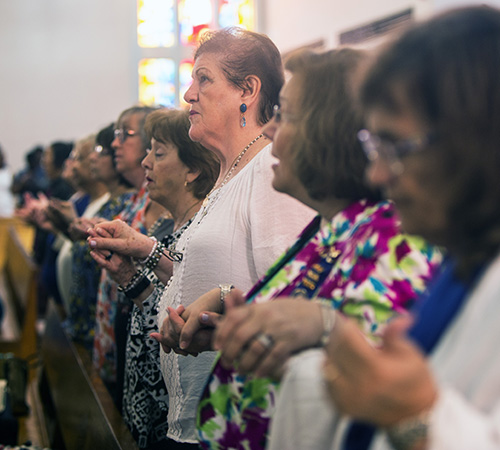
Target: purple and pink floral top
373, 271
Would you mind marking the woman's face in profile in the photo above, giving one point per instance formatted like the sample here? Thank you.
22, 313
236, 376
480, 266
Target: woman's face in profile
414, 181
282, 131
214, 101
166, 174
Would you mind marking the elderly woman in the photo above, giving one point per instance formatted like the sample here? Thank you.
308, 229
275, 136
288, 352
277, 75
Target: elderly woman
352, 255
113, 308
243, 224
434, 143
85, 273
179, 174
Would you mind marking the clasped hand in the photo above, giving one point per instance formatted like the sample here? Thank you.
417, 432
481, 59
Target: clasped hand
256, 338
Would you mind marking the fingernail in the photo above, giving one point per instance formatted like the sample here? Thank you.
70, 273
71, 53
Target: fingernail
182, 345
92, 243
204, 317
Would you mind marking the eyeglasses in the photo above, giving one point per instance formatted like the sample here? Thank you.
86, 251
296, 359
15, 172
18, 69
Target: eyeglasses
392, 151
102, 151
123, 134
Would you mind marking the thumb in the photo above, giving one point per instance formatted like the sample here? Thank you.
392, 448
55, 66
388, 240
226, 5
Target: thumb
233, 299
191, 327
395, 333
209, 319
156, 336
159, 338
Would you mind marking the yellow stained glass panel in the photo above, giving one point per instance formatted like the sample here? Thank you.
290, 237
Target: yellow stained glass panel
157, 81
185, 80
195, 17
237, 13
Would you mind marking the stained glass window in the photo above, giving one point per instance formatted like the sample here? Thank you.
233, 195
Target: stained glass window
168, 31
157, 81
237, 12
156, 23
195, 17
185, 80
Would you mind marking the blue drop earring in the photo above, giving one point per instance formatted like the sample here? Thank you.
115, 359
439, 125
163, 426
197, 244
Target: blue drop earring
243, 121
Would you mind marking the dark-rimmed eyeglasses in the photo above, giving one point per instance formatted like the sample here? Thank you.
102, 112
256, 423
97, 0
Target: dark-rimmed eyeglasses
376, 147
123, 134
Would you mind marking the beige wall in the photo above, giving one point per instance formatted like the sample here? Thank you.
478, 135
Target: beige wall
66, 69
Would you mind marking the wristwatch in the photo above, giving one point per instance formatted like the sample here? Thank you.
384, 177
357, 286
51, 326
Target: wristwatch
406, 434
224, 290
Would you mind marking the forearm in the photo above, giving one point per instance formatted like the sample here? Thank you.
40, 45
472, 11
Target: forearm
164, 270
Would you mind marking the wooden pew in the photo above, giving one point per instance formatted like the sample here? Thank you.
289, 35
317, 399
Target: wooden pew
18, 287
79, 411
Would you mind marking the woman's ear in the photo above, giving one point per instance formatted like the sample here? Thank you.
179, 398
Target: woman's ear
192, 175
252, 90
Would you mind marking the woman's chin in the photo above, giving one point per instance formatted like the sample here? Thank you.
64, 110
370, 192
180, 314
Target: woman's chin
278, 186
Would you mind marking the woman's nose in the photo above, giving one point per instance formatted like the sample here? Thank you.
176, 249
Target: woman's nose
146, 162
269, 129
189, 95
379, 172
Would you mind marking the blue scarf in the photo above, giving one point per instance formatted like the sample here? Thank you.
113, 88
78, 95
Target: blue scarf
433, 314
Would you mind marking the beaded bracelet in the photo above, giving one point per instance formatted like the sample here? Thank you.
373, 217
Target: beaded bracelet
147, 258
138, 289
131, 284
154, 259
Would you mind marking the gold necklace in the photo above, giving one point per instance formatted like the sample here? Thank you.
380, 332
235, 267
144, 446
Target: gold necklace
230, 171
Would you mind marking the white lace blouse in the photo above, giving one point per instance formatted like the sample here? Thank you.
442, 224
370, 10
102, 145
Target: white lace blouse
234, 239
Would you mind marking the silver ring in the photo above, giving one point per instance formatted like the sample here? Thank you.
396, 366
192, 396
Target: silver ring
265, 340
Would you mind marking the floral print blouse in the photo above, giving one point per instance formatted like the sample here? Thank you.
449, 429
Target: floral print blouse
373, 271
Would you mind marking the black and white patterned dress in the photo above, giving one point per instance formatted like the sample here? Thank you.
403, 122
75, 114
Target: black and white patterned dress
145, 397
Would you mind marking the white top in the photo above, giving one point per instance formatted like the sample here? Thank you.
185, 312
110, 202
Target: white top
64, 257
243, 229
466, 365
6, 198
